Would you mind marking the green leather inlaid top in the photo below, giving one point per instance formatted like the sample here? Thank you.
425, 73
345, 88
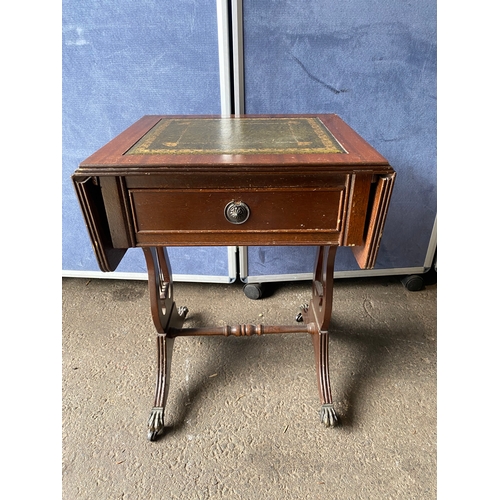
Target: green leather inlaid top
237, 136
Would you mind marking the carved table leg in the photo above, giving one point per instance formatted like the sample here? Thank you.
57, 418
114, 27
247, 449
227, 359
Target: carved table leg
165, 316
164, 348
319, 313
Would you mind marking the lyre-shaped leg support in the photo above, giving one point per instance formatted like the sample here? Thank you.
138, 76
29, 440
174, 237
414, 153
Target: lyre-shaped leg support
165, 316
318, 312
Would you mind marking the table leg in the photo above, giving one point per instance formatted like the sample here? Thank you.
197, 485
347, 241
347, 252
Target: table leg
319, 313
165, 316
164, 349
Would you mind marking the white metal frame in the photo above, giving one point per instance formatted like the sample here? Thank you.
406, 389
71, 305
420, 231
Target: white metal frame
223, 34
231, 69
238, 59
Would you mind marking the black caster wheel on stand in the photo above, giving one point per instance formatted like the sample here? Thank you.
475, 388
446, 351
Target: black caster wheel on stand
413, 283
253, 291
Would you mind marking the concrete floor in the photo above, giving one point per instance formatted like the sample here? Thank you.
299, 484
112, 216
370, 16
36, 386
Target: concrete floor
242, 413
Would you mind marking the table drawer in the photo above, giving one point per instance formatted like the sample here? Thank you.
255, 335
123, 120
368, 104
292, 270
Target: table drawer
164, 216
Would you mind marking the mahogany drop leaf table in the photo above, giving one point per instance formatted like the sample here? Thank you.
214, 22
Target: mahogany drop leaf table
248, 180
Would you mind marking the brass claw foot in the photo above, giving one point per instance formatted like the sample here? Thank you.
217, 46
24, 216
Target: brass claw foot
328, 416
155, 423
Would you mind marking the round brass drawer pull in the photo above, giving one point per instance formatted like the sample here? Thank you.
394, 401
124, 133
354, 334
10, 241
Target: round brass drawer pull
237, 212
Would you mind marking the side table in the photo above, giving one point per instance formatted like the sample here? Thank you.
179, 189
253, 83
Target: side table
249, 180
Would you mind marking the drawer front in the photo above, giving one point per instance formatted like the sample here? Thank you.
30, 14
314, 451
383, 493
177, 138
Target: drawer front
163, 216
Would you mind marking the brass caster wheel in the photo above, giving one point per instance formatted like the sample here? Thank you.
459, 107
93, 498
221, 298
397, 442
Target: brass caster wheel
300, 316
